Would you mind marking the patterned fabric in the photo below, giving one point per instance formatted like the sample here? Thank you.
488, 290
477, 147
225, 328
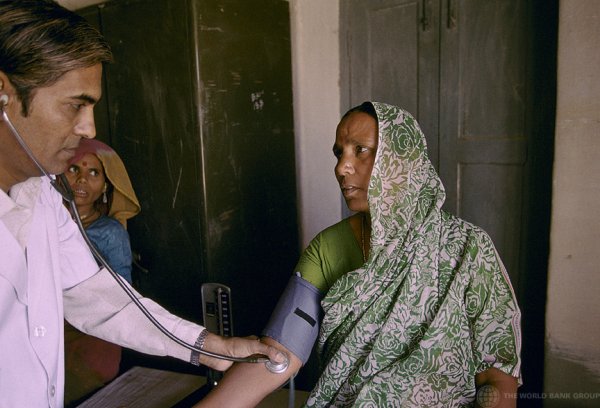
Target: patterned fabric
433, 305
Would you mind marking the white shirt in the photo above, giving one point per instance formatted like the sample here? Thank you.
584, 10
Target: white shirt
45, 268
17, 214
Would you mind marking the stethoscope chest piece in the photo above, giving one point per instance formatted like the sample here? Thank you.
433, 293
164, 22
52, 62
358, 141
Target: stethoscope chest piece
277, 368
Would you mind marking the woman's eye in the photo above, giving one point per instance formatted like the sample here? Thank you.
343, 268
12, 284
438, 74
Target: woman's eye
337, 153
72, 169
361, 149
94, 172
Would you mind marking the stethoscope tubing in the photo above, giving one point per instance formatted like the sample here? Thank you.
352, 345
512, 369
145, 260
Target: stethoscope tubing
67, 194
134, 298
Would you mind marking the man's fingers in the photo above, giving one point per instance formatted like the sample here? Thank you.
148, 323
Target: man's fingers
274, 354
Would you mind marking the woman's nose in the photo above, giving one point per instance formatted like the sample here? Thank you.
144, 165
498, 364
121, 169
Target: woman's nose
344, 167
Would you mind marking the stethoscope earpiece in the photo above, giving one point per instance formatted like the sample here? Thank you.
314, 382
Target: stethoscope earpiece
4, 100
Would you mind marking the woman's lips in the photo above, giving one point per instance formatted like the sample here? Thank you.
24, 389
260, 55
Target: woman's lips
349, 191
79, 192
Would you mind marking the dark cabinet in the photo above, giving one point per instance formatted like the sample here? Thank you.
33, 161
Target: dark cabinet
199, 105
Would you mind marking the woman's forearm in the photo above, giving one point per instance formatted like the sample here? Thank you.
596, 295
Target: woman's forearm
246, 384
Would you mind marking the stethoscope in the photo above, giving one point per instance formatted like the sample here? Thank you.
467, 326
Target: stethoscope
64, 189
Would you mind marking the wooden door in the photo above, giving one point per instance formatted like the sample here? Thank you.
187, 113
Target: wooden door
461, 69
483, 113
390, 53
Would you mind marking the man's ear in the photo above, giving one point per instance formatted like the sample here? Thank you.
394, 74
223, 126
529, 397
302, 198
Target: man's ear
3, 95
7, 91
3, 81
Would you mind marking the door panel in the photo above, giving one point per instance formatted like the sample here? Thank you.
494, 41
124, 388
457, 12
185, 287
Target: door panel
492, 69
402, 26
389, 55
152, 122
483, 140
494, 189
200, 109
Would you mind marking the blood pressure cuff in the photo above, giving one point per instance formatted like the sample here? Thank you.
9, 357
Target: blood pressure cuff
295, 320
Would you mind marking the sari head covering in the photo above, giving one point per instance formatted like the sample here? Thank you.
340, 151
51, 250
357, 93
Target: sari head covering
430, 308
124, 203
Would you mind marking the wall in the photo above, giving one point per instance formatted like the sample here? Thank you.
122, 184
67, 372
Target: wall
316, 76
573, 307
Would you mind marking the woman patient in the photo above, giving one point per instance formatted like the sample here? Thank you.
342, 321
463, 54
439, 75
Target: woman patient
105, 200
418, 308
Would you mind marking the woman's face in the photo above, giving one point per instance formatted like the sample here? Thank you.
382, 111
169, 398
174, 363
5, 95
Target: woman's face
355, 149
87, 180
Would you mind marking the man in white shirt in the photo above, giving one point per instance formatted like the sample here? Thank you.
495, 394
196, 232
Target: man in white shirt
50, 79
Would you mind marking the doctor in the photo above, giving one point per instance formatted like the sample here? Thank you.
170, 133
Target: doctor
50, 79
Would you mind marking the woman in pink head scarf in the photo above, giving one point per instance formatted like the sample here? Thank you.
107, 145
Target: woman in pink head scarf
105, 200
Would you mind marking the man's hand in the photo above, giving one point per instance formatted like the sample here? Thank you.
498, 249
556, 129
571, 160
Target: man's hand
236, 347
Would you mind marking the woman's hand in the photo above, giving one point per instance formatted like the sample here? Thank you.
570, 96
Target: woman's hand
503, 385
236, 347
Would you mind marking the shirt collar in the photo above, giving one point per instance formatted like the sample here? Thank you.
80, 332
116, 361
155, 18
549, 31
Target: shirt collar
20, 195
6, 203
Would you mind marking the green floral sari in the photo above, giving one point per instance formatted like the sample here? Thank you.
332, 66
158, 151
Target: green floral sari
433, 305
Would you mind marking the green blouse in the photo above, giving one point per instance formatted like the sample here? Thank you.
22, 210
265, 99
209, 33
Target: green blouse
332, 253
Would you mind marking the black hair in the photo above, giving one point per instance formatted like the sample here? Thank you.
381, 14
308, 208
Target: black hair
365, 107
40, 41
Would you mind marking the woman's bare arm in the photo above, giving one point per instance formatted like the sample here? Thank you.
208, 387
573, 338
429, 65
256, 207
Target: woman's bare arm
505, 384
246, 384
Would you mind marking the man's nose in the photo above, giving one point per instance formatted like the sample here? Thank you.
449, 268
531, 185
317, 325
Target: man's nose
87, 126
